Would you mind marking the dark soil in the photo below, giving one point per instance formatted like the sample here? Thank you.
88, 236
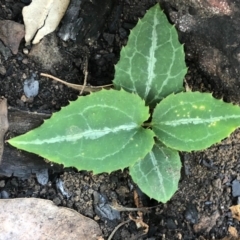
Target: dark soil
198, 210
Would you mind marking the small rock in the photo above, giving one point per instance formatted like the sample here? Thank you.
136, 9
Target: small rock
217, 183
236, 188
25, 61
96, 218
2, 70
57, 201
103, 209
25, 51
24, 76
122, 33
11, 33
71, 23
191, 213
4, 194
5, 51
14, 182
109, 38
171, 224
42, 176
31, 87
61, 188
47, 52
2, 183
23, 98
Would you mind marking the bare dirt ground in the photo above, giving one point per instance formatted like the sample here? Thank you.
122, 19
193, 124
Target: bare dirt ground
198, 210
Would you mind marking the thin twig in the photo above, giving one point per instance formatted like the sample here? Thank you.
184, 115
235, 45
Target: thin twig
117, 227
85, 72
121, 208
76, 86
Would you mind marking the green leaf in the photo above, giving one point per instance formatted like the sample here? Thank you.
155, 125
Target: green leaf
152, 64
100, 132
158, 173
194, 121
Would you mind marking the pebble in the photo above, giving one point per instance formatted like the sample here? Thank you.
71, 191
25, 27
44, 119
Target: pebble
24, 76
2, 183
42, 176
25, 61
60, 187
14, 182
57, 201
4, 194
171, 224
25, 51
31, 87
109, 38
23, 98
236, 188
2, 70
122, 33
191, 214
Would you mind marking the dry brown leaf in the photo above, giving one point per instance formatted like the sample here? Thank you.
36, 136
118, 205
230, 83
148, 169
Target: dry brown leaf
233, 231
32, 218
42, 17
140, 223
139, 219
11, 33
235, 211
137, 200
233, 234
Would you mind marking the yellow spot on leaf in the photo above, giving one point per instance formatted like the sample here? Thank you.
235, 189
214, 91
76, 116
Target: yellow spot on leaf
213, 124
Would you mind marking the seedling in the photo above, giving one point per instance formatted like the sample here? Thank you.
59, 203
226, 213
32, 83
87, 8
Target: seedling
113, 129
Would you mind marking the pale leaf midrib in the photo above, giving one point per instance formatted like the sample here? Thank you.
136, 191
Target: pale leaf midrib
160, 177
152, 59
196, 121
91, 134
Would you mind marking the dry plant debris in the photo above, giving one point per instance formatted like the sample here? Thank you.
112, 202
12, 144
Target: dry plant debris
139, 219
233, 234
80, 88
32, 218
42, 17
3, 123
235, 211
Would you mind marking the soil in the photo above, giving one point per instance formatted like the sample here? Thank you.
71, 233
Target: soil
198, 210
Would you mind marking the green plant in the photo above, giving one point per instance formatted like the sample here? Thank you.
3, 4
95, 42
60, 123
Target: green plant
113, 129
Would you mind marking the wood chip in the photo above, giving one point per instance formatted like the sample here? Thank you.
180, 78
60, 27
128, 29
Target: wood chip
3, 124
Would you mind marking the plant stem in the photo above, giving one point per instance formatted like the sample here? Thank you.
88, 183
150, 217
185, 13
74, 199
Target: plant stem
147, 124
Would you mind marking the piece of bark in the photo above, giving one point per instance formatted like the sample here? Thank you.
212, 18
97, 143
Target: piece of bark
19, 163
3, 124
